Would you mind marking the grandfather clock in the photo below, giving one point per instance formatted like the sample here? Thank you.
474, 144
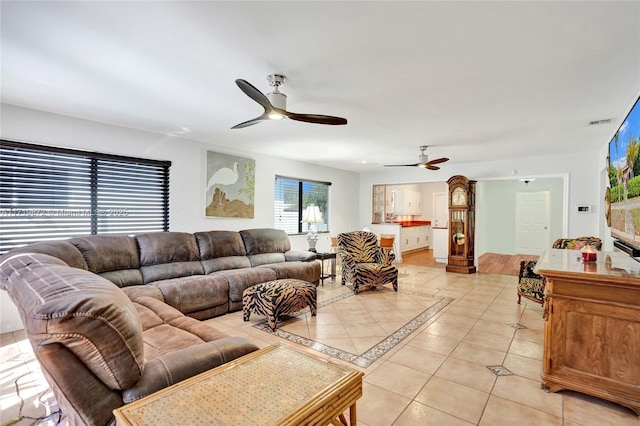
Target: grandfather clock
462, 225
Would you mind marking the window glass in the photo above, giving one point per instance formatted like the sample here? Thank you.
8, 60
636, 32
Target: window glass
300, 204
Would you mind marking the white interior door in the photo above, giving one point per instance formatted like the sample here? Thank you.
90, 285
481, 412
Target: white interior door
440, 210
532, 222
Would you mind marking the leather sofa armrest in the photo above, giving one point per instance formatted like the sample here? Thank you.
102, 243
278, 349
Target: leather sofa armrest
174, 367
305, 256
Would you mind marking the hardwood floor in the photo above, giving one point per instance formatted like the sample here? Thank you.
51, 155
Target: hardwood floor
420, 258
488, 263
495, 263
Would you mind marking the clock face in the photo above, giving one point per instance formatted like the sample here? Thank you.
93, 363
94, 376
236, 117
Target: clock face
458, 197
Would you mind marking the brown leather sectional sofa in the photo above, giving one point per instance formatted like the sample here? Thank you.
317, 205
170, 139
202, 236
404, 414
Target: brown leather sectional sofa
114, 318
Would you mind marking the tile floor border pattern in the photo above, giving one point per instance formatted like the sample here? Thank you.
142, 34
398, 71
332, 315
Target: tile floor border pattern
376, 351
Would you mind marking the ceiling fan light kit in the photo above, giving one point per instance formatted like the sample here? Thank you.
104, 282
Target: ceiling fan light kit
277, 98
275, 105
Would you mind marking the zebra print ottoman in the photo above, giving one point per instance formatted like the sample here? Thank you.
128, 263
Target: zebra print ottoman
280, 297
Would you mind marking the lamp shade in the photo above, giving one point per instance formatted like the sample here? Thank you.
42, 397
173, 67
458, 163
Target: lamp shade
312, 214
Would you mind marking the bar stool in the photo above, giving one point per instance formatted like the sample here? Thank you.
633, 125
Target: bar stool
388, 241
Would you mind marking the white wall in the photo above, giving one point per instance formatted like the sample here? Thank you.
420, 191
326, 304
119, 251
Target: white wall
496, 205
187, 175
607, 241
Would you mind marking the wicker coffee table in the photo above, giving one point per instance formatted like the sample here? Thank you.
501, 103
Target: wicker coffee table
277, 385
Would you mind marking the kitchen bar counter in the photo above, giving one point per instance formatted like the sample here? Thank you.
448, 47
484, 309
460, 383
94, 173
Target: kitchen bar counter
405, 224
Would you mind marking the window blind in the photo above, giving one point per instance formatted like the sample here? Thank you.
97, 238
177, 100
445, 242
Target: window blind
49, 193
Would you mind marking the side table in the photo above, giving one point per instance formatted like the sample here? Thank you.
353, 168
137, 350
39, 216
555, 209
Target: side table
322, 257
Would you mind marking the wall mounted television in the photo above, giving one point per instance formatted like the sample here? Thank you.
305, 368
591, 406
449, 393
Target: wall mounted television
624, 182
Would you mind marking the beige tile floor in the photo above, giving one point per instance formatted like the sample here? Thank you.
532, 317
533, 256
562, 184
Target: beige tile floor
435, 376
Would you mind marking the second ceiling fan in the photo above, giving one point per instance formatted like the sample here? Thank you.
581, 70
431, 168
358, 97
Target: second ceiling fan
275, 104
423, 161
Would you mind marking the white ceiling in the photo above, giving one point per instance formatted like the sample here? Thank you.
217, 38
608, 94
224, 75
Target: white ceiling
473, 80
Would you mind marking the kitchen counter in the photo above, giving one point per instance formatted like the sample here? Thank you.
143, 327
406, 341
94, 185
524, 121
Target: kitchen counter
415, 223
406, 224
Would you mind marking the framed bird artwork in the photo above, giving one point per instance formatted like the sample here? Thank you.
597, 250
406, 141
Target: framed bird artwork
229, 186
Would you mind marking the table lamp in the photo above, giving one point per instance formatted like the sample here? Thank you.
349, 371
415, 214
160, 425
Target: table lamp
312, 215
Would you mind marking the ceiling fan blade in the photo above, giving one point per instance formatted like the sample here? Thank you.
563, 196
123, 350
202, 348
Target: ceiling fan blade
438, 161
422, 164
251, 122
254, 94
274, 112
316, 118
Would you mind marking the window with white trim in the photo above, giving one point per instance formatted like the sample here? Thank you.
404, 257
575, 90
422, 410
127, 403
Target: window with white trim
50, 193
299, 200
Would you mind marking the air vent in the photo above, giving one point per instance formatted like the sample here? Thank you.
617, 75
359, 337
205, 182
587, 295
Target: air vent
596, 122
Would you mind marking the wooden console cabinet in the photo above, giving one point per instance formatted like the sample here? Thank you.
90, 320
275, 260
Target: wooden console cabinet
592, 328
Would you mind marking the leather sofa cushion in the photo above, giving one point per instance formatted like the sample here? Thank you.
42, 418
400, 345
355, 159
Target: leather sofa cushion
221, 250
265, 240
240, 279
168, 271
167, 247
214, 244
176, 335
136, 291
108, 252
166, 255
166, 330
305, 256
112, 257
266, 258
174, 367
195, 293
86, 313
225, 263
306, 271
154, 313
124, 277
62, 250
165, 339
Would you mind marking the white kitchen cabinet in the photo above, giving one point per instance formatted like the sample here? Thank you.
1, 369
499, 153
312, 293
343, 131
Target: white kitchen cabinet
412, 203
414, 238
406, 202
407, 238
397, 201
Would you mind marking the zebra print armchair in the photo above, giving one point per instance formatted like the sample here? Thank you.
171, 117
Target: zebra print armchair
364, 262
530, 284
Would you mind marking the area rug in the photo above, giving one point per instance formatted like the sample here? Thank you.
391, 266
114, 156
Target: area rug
366, 358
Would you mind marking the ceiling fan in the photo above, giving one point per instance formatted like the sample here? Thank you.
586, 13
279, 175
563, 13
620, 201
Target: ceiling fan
275, 104
423, 161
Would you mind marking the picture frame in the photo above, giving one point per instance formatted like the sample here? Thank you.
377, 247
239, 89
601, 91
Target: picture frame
229, 186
